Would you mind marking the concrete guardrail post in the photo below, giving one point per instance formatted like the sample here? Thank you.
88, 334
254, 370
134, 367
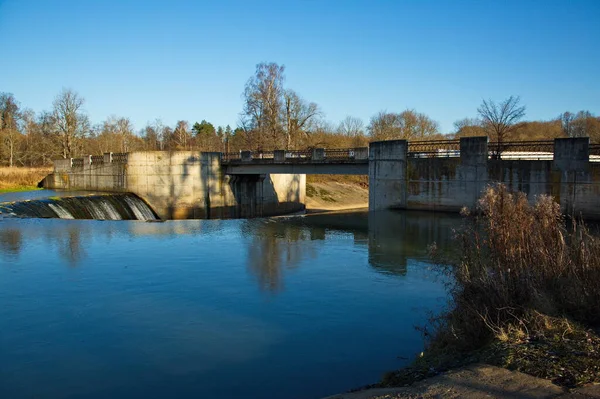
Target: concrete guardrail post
246, 156
87, 160
279, 155
108, 157
318, 154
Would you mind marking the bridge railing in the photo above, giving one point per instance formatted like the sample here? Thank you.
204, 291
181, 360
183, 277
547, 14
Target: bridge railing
533, 150
434, 149
299, 156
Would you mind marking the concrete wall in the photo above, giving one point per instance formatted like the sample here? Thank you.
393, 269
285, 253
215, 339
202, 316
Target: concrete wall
183, 184
448, 184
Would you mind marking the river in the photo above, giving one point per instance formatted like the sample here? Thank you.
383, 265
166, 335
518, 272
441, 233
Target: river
289, 307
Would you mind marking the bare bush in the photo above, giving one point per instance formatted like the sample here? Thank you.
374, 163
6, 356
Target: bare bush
516, 261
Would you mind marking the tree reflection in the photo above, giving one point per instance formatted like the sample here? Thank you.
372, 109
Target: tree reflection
276, 245
72, 248
11, 241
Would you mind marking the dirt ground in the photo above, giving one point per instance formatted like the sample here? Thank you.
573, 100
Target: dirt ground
335, 196
477, 381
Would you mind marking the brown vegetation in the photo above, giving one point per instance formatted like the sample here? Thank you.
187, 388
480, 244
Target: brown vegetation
17, 179
524, 294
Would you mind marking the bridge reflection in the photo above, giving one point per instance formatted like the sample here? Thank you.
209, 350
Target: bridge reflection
391, 241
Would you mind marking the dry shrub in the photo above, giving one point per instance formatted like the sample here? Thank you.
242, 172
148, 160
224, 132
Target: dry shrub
21, 177
515, 261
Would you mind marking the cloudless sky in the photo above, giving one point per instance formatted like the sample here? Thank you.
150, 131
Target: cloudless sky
191, 59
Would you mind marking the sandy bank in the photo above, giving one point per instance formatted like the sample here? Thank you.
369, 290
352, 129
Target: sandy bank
335, 196
477, 381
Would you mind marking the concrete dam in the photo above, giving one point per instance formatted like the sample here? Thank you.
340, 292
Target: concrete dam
441, 175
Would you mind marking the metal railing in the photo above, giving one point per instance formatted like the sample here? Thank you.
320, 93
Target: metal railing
77, 163
434, 149
298, 156
96, 159
534, 150
119, 157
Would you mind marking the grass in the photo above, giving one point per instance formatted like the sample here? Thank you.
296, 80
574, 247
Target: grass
524, 295
359, 180
21, 179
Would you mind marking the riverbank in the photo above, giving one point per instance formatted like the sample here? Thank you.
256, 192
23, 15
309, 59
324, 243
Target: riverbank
336, 193
17, 179
477, 381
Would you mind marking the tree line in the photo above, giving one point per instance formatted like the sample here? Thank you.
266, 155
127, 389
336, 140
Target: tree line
273, 117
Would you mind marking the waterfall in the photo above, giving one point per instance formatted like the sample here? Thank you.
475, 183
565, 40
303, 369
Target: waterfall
100, 206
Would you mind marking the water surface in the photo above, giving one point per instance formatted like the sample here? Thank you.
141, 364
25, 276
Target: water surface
300, 307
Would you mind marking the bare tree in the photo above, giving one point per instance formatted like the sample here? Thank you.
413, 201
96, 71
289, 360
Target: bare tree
9, 121
566, 120
500, 120
262, 105
181, 134
70, 121
468, 127
351, 126
408, 125
298, 115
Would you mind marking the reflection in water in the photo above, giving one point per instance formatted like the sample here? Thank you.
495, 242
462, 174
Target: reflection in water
154, 306
277, 244
10, 241
396, 237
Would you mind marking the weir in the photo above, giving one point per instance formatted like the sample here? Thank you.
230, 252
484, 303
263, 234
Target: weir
441, 175
99, 207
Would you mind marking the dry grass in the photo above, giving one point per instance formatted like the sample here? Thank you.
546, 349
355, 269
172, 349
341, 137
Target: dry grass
524, 294
359, 180
19, 179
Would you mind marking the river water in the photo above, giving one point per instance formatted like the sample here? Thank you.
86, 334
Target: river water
290, 307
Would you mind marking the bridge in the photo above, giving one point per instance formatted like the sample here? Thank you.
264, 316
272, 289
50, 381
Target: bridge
349, 161
439, 175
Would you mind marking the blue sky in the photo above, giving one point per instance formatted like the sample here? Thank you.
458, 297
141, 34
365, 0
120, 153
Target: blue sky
190, 59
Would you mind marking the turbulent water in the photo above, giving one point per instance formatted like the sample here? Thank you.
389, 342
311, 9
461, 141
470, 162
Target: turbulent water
291, 307
100, 207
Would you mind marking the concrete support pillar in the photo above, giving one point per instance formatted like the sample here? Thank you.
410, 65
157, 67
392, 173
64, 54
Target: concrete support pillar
387, 174
107, 157
571, 163
246, 156
473, 150
572, 153
87, 160
279, 155
318, 154
473, 169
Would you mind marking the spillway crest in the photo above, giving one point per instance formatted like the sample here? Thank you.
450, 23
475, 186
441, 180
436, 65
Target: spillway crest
99, 207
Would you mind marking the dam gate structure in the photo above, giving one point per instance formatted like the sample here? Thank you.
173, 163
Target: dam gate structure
438, 175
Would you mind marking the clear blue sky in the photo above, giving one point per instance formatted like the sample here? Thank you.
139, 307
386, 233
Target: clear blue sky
190, 59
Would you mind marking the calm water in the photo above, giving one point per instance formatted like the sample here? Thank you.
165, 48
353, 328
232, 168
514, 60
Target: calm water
299, 307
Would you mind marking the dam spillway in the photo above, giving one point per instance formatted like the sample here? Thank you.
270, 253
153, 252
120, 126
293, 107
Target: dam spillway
117, 206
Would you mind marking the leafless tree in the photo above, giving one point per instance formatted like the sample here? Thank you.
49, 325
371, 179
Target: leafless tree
262, 105
566, 120
181, 134
9, 121
70, 121
351, 126
298, 115
408, 125
500, 120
